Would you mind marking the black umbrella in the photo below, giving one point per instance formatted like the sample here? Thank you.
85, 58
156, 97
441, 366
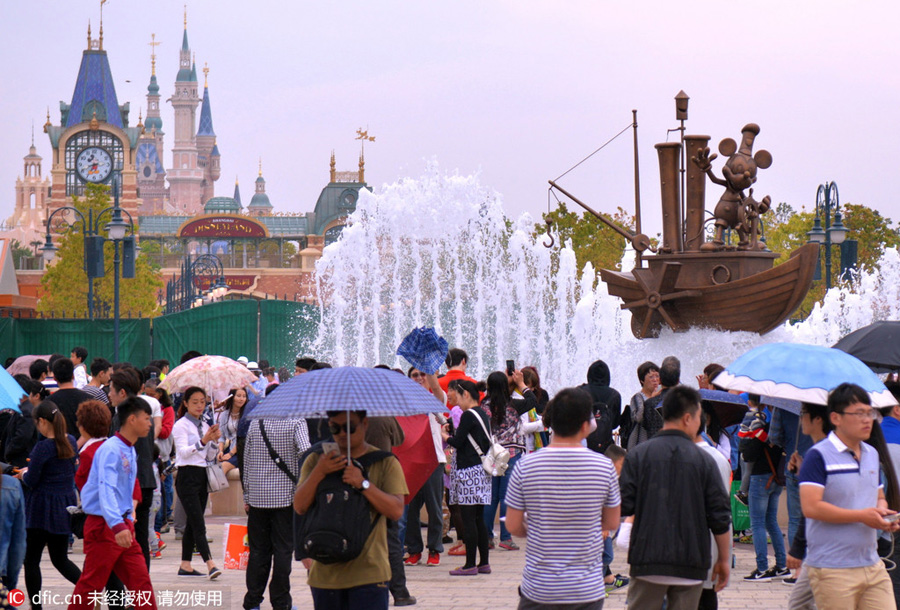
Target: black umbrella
877, 345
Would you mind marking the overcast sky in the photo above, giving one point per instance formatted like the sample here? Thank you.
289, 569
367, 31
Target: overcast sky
517, 90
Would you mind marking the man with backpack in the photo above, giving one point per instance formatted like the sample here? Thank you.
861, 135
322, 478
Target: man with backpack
345, 507
607, 406
271, 455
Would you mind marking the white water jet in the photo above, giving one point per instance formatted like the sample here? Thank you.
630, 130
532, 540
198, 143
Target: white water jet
439, 251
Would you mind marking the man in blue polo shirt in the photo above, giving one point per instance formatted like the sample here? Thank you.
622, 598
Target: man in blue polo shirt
843, 501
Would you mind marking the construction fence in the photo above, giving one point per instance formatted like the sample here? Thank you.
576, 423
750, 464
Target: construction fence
273, 330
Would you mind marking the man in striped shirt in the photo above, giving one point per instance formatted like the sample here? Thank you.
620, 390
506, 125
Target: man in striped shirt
570, 495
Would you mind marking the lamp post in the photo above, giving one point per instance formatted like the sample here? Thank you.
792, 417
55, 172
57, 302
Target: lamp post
827, 200
116, 229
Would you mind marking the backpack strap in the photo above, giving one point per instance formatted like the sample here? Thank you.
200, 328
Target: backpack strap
274, 455
487, 434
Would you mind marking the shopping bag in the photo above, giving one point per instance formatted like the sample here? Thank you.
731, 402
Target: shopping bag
237, 547
740, 514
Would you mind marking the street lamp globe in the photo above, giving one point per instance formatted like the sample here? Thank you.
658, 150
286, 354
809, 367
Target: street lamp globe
48, 251
117, 228
817, 234
838, 231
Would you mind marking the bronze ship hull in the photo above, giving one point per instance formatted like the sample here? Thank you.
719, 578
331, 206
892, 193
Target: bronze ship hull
679, 290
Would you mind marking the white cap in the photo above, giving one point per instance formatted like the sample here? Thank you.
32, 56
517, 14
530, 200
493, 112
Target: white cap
243, 360
253, 366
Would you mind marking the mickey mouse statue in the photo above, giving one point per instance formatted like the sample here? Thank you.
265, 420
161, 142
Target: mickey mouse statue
734, 210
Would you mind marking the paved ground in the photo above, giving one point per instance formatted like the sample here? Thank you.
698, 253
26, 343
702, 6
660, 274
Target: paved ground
433, 587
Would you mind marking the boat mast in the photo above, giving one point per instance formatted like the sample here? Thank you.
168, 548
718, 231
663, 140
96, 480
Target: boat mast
638, 257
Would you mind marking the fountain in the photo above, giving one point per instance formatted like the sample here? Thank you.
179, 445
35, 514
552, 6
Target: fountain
439, 251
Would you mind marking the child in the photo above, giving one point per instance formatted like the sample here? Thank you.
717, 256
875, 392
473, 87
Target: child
616, 454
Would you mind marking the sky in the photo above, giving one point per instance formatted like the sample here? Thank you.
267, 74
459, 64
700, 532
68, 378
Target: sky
517, 91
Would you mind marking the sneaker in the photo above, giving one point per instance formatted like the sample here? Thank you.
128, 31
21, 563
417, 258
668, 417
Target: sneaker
746, 539
742, 498
756, 575
790, 580
779, 572
413, 560
434, 558
618, 582
164, 529
491, 543
156, 555
509, 545
160, 543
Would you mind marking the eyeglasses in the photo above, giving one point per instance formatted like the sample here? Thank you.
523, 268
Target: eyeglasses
417, 375
862, 415
339, 428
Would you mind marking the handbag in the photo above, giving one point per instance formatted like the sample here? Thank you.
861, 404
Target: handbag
496, 460
215, 477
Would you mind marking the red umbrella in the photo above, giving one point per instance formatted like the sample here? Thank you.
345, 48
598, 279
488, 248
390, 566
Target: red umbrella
417, 454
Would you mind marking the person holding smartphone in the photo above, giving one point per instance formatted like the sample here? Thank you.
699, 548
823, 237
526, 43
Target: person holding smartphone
195, 445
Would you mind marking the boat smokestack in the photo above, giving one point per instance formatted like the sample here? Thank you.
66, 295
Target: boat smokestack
669, 156
695, 193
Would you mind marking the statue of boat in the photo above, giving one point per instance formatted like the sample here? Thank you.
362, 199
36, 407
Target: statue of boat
689, 280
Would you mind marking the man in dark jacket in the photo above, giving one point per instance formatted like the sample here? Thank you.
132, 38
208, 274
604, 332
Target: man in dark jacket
598, 387
675, 493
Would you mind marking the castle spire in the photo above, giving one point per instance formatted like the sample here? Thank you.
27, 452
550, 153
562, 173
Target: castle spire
102, 2
333, 167
206, 125
89, 35
260, 167
184, 41
237, 191
153, 44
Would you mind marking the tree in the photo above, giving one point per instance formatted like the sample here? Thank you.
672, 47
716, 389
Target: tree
19, 253
592, 240
65, 282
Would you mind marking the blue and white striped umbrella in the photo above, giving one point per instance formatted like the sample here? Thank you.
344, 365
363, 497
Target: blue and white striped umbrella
379, 392
801, 372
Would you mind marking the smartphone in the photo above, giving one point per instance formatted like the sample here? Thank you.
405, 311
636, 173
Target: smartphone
329, 447
510, 367
892, 518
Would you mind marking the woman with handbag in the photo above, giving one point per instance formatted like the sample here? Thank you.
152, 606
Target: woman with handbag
49, 489
195, 446
470, 484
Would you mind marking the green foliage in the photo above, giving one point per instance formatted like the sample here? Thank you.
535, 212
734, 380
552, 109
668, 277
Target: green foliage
592, 240
65, 283
20, 252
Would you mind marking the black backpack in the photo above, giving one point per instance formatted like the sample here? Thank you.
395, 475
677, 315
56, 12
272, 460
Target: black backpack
601, 438
337, 525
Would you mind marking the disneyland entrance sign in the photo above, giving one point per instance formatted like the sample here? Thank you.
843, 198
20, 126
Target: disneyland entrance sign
223, 226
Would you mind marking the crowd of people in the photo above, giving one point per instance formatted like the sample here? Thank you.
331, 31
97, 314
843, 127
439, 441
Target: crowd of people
104, 453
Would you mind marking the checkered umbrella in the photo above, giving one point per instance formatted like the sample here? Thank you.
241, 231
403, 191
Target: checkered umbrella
379, 392
424, 349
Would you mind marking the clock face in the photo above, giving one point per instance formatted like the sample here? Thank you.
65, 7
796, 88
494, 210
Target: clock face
93, 164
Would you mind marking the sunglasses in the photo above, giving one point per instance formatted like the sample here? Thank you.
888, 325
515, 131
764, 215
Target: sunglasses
339, 428
417, 375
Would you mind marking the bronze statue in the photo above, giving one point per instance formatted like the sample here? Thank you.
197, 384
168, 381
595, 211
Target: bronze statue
734, 210
687, 283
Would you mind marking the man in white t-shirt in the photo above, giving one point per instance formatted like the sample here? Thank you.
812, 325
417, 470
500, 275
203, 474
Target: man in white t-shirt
570, 495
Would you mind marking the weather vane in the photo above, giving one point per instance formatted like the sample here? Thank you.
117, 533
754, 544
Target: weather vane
153, 44
364, 137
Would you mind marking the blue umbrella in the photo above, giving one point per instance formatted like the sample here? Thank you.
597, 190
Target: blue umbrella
379, 392
424, 349
806, 373
11, 393
791, 406
729, 408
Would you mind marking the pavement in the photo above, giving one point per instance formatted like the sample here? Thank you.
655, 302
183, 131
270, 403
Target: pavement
433, 587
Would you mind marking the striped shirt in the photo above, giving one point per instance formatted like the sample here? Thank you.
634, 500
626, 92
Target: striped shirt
563, 491
849, 484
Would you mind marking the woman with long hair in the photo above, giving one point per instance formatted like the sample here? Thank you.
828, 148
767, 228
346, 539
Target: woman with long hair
195, 445
470, 485
48, 491
505, 408
228, 420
